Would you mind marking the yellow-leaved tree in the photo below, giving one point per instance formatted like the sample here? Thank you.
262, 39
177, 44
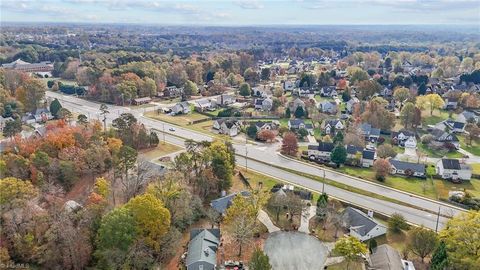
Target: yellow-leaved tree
152, 219
240, 221
15, 192
430, 101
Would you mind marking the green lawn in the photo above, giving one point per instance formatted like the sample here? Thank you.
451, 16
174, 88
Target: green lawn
476, 168
414, 185
437, 116
161, 150
474, 148
343, 265
63, 81
180, 120
443, 187
437, 154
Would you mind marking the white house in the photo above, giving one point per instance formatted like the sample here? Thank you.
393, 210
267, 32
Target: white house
362, 226
411, 142
407, 168
288, 85
333, 125
368, 158
181, 108
227, 127
453, 169
321, 151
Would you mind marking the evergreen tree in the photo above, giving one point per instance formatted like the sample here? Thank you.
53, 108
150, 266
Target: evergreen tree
259, 261
439, 258
288, 114
339, 154
299, 112
55, 106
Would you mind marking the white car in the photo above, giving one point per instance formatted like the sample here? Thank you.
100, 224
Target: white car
172, 129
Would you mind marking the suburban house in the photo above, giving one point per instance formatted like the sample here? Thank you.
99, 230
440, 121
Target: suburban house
263, 125
455, 126
140, 101
468, 116
263, 104
321, 151
407, 168
385, 257
296, 124
445, 137
42, 115
301, 92
172, 92
404, 138
293, 105
353, 150
351, 103
228, 127
368, 157
328, 91
451, 103
202, 249
329, 107
362, 226
221, 204
181, 108
454, 170
203, 105
333, 125
224, 100
288, 85
370, 133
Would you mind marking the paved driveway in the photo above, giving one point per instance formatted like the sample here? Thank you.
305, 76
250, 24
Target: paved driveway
295, 251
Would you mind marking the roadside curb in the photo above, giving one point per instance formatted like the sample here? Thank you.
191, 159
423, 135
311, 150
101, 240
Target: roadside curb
336, 198
373, 183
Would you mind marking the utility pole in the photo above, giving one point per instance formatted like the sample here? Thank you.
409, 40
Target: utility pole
246, 154
163, 132
438, 218
323, 186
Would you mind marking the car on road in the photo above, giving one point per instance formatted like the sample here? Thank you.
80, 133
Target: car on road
172, 129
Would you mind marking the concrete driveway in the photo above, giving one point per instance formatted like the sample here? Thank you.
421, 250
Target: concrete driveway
295, 251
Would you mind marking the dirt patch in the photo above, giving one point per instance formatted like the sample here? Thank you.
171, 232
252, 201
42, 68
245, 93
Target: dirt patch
229, 249
81, 190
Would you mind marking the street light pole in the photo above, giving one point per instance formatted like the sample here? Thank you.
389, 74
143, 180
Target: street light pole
438, 217
323, 186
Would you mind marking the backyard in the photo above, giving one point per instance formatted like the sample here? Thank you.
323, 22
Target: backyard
436, 117
161, 150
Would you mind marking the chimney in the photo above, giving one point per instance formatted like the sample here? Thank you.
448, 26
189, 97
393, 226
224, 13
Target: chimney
206, 252
370, 213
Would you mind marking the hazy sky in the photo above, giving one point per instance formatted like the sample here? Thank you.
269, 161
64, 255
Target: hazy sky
244, 12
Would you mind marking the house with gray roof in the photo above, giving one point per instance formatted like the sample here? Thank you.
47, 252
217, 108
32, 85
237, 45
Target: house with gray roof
453, 169
202, 249
370, 133
468, 116
221, 204
407, 168
385, 257
329, 107
362, 226
181, 108
368, 158
455, 126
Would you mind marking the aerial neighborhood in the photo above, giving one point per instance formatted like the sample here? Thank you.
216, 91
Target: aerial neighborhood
148, 147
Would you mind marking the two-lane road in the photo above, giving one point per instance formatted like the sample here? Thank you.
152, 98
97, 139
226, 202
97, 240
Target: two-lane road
267, 155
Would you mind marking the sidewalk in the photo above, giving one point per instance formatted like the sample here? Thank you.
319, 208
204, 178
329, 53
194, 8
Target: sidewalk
265, 219
305, 220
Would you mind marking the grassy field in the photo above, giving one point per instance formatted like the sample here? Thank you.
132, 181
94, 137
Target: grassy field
433, 119
343, 265
161, 150
66, 82
437, 154
414, 185
474, 148
181, 120
476, 168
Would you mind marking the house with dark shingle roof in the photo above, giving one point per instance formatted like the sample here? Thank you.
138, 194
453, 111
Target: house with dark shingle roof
221, 204
202, 249
453, 169
445, 137
321, 151
385, 257
407, 168
368, 157
370, 133
361, 225
296, 124
333, 125
455, 126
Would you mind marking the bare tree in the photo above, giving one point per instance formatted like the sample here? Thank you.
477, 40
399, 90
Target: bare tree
137, 179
